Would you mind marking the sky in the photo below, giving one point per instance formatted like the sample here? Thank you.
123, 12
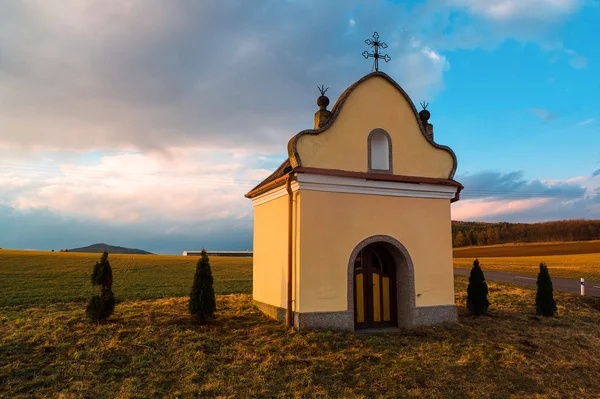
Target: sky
143, 123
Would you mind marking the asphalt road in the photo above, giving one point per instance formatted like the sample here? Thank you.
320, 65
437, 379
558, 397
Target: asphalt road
592, 288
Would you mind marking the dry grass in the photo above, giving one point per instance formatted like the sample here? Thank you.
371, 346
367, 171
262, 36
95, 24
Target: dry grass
36, 278
567, 266
151, 348
532, 249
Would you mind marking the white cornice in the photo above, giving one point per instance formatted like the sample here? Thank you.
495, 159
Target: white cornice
273, 194
355, 185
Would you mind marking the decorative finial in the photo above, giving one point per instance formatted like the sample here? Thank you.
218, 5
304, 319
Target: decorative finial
424, 114
322, 89
323, 101
376, 44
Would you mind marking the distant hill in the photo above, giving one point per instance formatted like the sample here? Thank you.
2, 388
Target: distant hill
479, 233
111, 249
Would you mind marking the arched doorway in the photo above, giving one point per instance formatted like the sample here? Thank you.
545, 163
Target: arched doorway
375, 288
381, 289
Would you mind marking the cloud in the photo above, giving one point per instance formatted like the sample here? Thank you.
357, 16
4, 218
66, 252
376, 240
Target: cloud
512, 185
478, 209
472, 24
493, 196
596, 173
509, 10
421, 68
165, 202
189, 186
145, 75
149, 74
543, 114
577, 61
586, 122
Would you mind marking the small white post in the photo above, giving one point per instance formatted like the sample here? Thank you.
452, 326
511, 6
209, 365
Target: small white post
582, 287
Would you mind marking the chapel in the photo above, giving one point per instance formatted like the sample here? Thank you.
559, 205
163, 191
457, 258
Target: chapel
353, 230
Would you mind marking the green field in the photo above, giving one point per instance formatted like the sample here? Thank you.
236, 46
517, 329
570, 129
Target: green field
36, 278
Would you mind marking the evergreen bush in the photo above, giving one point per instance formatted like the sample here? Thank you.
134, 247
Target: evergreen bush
477, 291
202, 304
101, 306
545, 304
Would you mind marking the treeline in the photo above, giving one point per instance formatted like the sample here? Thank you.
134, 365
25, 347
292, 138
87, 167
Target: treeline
479, 233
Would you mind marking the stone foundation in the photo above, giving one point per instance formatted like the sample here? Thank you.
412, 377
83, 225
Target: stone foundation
422, 316
432, 315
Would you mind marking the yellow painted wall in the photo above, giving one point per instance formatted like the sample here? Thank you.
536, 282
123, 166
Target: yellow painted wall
269, 268
375, 103
334, 223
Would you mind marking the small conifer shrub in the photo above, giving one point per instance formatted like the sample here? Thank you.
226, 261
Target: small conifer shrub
202, 304
477, 291
101, 306
545, 304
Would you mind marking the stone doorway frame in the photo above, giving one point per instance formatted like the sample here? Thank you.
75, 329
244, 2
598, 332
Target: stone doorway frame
405, 278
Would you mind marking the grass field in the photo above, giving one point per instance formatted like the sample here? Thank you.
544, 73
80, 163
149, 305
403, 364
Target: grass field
36, 278
586, 265
151, 348
566, 266
533, 249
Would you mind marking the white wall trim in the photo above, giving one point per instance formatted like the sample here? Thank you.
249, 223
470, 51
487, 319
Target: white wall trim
355, 185
273, 194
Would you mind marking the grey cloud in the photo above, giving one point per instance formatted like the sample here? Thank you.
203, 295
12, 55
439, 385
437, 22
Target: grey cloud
578, 61
495, 185
543, 114
596, 173
489, 23
517, 10
508, 196
215, 73
156, 73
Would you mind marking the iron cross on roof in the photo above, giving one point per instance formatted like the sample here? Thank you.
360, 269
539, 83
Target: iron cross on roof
376, 44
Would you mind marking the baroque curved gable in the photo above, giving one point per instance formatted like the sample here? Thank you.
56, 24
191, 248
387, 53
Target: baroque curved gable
374, 102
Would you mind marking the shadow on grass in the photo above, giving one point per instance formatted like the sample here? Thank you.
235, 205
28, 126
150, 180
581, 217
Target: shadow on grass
593, 303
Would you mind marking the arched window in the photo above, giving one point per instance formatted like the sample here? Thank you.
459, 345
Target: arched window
380, 151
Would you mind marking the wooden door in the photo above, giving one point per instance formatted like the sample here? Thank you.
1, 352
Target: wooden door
374, 289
